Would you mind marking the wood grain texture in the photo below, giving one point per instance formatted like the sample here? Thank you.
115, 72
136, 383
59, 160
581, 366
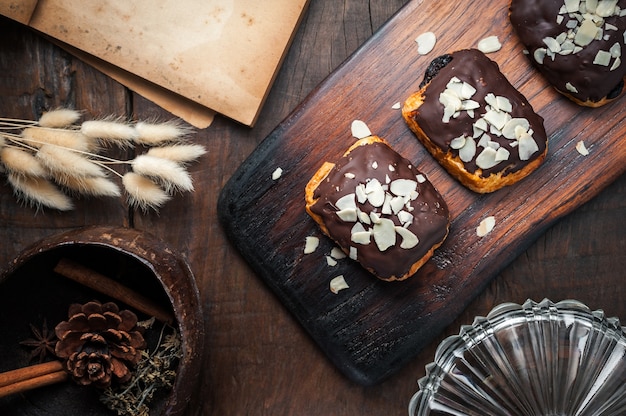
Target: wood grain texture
258, 359
373, 329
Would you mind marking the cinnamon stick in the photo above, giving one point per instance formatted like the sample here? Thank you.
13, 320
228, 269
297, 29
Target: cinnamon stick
112, 288
31, 377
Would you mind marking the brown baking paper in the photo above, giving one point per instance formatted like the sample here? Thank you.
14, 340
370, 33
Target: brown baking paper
190, 57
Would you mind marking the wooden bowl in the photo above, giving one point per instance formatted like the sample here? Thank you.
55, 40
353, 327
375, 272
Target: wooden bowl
31, 293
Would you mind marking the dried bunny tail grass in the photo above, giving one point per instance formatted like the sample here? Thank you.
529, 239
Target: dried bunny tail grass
21, 162
59, 118
152, 134
63, 162
39, 191
172, 175
110, 130
181, 153
71, 139
143, 192
92, 186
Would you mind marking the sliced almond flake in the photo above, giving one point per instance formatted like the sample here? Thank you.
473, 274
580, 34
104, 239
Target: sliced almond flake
384, 234
349, 175
493, 145
606, 8
510, 128
331, 261
552, 44
396, 106
484, 141
457, 142
571, 88
311, 244
539, 55
396, 204
487, 158
526, 147
375, 193
425, 42
502, 154
346, 202
616, 50
586, 33
486, 226
468, 151
489, 44
479, 127
338, 283
409, 240
572, 6
386, 208
581, 148
420, 178
616, 64
498, 119
361, 237
360, 129
337, 253
361, 195
374, 217
353, 253
402, 187
602, 58
406, 218
504, 104
347, 215
364, 218
277, 173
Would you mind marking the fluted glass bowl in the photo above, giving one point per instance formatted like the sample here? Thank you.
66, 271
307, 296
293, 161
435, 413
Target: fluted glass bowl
544, 359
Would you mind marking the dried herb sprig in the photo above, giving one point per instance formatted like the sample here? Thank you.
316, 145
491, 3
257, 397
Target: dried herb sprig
47, 160
154, 372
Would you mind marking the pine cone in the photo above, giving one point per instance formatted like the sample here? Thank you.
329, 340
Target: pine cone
99, 343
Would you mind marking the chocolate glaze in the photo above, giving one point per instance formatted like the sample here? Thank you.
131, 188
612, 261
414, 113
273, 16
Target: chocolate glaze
473, 67
431, 217
533, 20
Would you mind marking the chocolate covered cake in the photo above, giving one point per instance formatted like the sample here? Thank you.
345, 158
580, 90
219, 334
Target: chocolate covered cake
475, 123
379, 209
576, 44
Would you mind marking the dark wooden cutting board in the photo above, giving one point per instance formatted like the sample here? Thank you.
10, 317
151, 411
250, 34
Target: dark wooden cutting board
372, 329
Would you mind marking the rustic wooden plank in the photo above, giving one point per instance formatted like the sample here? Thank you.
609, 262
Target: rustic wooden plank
374, 328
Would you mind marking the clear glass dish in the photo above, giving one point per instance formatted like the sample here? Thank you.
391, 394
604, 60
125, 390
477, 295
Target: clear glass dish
539, 359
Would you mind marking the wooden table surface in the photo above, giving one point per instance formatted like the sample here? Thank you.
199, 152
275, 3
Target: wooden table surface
258, 360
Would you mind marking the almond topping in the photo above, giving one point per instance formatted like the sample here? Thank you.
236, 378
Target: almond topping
338, 283
360, 130
486, 226
425, 42
311, 244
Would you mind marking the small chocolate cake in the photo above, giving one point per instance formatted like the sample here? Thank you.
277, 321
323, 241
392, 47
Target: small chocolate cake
379, 209
475, 123
576, 44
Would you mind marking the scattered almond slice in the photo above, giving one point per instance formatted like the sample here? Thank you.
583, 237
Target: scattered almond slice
489, 44
337, 253
338, 283
277, 173
311, 244
360, 129
581, 148
396, 106
485, 226
425, 42
331, 261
